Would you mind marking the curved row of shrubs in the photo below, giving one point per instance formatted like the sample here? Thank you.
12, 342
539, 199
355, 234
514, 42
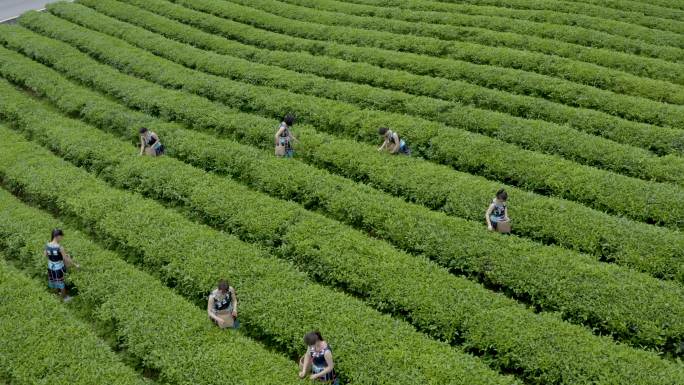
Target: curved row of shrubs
589, 24
515, 81
459, 194
406, 227
312, 242
36, 329
127, 302
532, 135
331, 12
657, 139
574, 35
657, 8
649, 202
639, 18
319, 25
278, 304
626, 242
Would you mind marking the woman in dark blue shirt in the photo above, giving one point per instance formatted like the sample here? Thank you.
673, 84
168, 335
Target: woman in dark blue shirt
58, 260
318, 360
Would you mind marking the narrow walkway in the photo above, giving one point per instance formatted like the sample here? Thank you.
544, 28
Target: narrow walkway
10, 9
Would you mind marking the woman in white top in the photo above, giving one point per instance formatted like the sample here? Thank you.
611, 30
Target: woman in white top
222, 305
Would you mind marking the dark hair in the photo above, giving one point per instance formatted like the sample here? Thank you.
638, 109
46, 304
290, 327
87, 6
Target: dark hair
383, 130
502, 195
143, 130
289, 119
223, 285
312, 337
57, 233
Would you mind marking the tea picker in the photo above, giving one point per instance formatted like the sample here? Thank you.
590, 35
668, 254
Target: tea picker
58, 261
497, 213
222, 305
149, 143
392, 142
284, 138
318, 362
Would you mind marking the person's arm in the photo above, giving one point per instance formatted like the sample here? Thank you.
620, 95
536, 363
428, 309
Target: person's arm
142, 144
280, 131
487, 215
397, 144
506, 213
67, 259
384, 144
235, 302
210, 311
293, 137
331, 365
305, 365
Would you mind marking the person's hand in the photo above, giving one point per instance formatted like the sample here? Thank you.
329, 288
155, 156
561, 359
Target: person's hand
219, 321
77, 265
302, 374
234, 314
506, 219
490, 227
313, 376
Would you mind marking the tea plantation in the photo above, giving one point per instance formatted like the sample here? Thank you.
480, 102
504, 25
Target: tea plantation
575, 108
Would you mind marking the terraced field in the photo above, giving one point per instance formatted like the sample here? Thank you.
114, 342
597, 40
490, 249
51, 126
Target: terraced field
575, 107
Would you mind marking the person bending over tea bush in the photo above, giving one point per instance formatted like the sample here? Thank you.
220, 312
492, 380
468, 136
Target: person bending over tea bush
149, 143
392, 142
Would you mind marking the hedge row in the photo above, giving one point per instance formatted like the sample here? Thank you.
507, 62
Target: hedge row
460, 194
666, 11
493, 48
313, 243
588, 24
514, 81
341, 28
538, 136
585, 9
658, 139
647, 248
278, 304
667, 3
170, 336
332, 12
410, 11
43, 343
390, 218
648, 201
